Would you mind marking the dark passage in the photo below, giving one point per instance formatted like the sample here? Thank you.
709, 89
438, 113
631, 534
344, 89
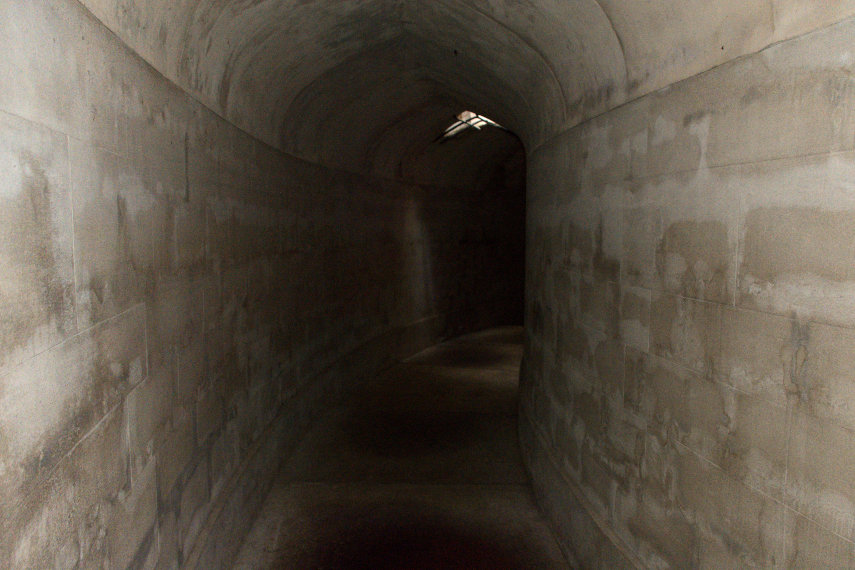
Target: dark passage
421, 470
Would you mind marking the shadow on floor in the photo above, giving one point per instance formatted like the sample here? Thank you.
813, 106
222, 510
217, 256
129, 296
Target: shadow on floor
397, 544
421, 470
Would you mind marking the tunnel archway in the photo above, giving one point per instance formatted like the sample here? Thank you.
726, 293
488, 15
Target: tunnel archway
191, 188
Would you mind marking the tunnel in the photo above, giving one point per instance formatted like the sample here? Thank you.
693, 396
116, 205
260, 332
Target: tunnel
222, 222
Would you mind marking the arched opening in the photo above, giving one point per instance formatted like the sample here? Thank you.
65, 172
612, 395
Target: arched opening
419, 465
219, 218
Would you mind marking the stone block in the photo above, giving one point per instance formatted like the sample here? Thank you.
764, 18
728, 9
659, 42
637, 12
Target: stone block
113, 233
175, 333
744, 435
609, 365
133, 521
695, 236
635, 318
191, 356
720, 118
796, 248
821, 473
756, 119
225, 457
642, 228
62, 520
676, 134
148, 411
209, 414
194, 506
50, 402
625, 446
188, 217
201, 151
738, 527
226, 322
614, 147
685, 331
176, 451
657, 390
757, 353
663, 537
153, 121
168, 536
35, 85
599, 480
37, 290
599, 306
825, 385
809, 545
803, 86
695, 259
794, 18
783, 243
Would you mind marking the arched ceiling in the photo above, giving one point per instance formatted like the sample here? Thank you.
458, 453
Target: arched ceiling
361, 84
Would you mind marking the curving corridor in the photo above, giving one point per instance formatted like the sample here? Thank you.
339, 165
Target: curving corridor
423, 470
226, 225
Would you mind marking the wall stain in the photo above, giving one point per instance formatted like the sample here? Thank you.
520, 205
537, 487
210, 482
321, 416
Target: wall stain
753, 94
693, 258
692, 118
794, 241
38, 296
794, 366
606, 268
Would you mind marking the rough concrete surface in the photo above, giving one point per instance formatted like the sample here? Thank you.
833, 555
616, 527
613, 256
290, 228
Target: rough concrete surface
177, 297
722, 439
421, 469
219, 217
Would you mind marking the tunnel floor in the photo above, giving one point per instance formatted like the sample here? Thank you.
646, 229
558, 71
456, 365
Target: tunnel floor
421, 470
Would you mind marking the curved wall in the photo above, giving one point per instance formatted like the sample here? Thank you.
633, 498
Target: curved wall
179, 299
278, 69
215, 210
688, 378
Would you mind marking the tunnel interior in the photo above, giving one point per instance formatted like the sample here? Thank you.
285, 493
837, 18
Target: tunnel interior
219, 218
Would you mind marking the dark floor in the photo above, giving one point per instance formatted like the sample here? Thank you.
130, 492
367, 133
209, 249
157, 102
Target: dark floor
423, 470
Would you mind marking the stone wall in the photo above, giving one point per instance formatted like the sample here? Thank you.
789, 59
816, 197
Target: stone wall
178, 300
688, 383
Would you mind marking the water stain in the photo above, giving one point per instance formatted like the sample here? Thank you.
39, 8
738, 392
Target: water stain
693, 258
753, 94
693, 118
607, 268
799, 381
39, 296
669, 535
577, 244
798, 241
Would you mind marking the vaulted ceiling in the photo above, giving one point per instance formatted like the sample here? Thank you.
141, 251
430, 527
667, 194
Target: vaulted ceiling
358, 84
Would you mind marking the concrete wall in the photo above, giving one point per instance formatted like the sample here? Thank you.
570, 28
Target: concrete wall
178, 299
689, 394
